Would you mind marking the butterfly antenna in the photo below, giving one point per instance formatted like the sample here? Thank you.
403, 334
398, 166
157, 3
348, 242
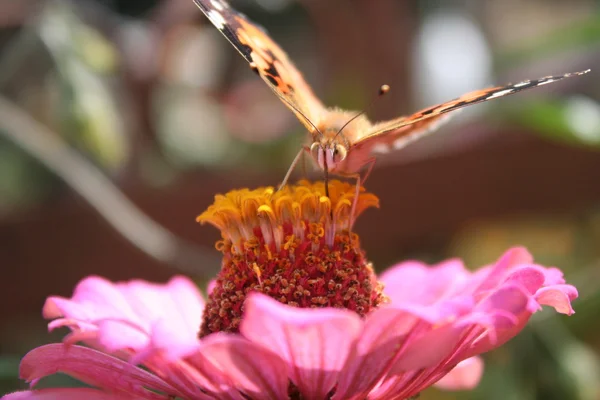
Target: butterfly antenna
296, 110
287, 175
382, 90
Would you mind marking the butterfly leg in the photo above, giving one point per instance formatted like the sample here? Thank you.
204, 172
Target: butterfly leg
370, 164
291, 169
360, 181
304, 170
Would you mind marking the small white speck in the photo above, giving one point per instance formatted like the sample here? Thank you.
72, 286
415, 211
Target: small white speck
381, 148
500, 93
414, 135
402, 142
521, 83
217, 19
218, 5
546, 82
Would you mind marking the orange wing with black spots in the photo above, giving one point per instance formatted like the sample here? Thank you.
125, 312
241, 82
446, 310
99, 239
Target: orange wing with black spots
267, 59
357, 139
401, 131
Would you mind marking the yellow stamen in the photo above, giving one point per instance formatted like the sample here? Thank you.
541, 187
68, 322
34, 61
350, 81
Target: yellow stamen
256, 270
238, 213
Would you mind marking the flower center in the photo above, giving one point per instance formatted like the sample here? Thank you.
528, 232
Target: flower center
294, 245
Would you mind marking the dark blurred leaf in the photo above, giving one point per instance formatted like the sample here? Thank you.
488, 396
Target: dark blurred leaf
9, 374
9, 367
575, 36
22, 180
130, 7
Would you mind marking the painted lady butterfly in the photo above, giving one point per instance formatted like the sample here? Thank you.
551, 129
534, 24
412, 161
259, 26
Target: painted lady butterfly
342, 142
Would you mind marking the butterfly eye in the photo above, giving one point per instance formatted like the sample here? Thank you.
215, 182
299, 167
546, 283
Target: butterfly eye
339, 153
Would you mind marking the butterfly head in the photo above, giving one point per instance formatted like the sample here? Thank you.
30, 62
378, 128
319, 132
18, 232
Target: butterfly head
331, 145
328, 154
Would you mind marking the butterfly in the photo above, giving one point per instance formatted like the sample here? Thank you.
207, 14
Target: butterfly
342, 142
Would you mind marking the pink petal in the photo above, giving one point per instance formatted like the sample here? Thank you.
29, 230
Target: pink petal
458, 315
554, 276
400, 331
314, 342
94, 368
135, 315
559, 297
171, 342
496, 335
415, 282
464, 376
441, 311
211, 285
94, 298
497, 274
528, 276
511, 299
429, 349
113, 335
64, 394
179, 301
256, 371
426, 359
211, 379
384, 335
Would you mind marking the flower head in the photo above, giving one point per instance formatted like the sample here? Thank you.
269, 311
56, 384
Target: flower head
427, 326
293, 245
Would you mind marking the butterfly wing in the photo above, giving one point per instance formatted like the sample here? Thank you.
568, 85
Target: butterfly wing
399, 132
266, 58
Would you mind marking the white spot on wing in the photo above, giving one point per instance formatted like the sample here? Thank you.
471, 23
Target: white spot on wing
500, 93
404, 141
546, 82
381, 148
217, 19
524, 83
218, 5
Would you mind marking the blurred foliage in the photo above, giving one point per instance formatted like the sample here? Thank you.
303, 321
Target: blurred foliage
574, 121
84, 60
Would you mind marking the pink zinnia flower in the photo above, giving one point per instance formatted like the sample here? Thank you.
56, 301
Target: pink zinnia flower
296, 312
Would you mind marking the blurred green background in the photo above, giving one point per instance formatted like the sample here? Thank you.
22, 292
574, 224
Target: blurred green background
120, 120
